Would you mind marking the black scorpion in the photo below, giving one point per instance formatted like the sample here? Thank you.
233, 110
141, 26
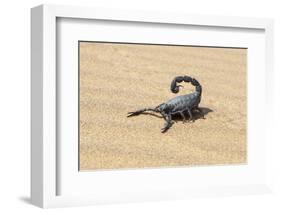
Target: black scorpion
178, 105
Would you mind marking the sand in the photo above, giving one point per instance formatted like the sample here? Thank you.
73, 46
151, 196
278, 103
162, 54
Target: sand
118, 78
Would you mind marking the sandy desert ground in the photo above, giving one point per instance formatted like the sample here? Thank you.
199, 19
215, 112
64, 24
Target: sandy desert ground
118, 78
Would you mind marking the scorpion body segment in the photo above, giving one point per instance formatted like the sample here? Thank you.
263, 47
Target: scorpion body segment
178, 105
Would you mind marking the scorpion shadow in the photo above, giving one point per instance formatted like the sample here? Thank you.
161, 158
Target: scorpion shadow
177, 117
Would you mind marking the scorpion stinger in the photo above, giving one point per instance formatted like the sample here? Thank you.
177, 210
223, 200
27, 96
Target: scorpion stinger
178, 105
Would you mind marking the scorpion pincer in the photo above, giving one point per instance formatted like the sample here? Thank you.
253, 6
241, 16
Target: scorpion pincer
178, 105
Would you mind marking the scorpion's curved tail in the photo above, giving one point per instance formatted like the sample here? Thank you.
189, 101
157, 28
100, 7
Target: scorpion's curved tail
179, 79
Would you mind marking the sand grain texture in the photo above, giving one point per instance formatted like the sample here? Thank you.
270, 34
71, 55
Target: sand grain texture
118, 78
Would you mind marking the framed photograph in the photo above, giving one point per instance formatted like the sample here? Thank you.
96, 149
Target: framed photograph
130, 106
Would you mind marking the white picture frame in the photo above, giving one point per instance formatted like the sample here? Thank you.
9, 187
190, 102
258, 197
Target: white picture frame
44, 150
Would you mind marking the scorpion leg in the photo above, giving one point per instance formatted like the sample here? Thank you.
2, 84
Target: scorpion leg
183, 117
168, 123
190, 115
164, 115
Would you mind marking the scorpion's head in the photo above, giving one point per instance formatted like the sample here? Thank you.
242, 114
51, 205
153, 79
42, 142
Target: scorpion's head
163, 108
